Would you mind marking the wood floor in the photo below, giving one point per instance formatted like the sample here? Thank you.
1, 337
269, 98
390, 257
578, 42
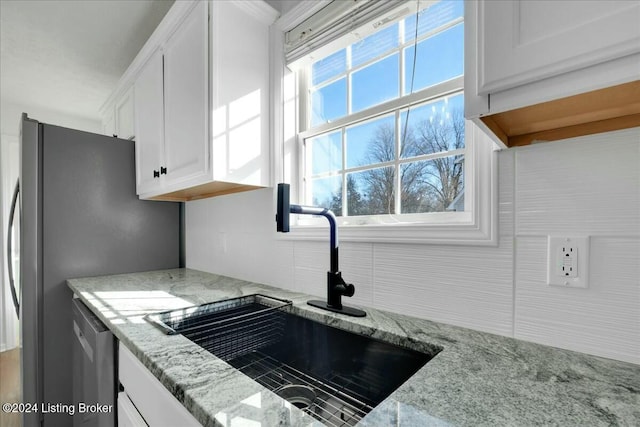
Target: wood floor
10, 386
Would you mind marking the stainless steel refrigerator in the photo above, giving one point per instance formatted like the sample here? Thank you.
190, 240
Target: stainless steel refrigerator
79, 217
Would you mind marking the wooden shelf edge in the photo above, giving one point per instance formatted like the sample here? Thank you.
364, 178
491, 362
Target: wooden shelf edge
604, 110
204, 191
617, 123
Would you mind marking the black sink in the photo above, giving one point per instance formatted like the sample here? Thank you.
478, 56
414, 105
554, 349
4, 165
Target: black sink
333, 375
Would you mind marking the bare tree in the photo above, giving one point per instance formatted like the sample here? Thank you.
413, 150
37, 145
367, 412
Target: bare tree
355, 200
380, 182
426, 186
443, 177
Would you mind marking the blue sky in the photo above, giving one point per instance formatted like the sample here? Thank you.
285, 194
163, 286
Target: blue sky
439, 58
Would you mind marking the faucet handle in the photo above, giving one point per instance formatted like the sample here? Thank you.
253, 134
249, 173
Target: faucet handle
339, 286
349, 290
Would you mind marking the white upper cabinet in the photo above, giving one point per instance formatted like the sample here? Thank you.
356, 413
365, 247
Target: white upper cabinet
109, 123
185, 98
171, 108
118, 114
124, 114
182, 99
526, 41
201, 96
524, 53
149, 123
240, 93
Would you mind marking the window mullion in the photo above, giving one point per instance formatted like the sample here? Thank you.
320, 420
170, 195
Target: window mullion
304, 105
401, 70
398, 178
348, 82
401, 51
357, 169
432, 156
441, 90
345, 210
345, 196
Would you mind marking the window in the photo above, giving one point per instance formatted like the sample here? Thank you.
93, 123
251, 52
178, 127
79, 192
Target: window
383, 139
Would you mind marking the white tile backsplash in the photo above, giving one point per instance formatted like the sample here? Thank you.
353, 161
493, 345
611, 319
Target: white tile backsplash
471, 287
356, 263
587, 186
584, 185
603, 319
590, 185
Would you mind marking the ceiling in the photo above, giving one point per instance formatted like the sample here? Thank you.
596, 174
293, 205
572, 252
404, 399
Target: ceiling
68, 55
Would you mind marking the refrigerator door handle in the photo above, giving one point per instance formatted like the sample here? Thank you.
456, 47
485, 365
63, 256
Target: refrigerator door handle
14, 205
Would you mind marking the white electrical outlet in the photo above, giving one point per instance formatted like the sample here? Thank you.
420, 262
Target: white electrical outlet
568, 261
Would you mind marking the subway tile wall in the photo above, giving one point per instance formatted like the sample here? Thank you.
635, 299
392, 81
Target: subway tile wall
584, 186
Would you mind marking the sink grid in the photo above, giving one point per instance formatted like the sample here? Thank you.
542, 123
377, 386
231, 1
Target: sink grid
334, 405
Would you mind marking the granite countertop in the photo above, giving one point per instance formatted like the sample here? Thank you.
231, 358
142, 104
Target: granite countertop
477, 379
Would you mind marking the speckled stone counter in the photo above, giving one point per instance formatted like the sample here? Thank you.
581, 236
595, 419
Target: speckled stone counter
476, 379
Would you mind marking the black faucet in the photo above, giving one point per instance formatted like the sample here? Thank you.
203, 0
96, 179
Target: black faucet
336, 286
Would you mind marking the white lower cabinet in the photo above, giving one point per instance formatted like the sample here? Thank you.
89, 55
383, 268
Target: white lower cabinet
144, 399
128, 415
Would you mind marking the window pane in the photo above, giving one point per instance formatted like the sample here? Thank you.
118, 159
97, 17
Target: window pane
439, 58
371, 192
433, 17
375, 45
327, 193
328, 67
433, 185
329, 102
433, 127
375, 83
325, 152
371, 142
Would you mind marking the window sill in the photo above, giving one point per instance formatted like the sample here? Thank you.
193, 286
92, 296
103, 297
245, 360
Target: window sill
468, 234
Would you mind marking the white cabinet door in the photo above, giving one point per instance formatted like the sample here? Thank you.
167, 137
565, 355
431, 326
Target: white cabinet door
186, 98
157, 406
125, 115
239, 95
128, 415
520, 42
109, 124
149, 125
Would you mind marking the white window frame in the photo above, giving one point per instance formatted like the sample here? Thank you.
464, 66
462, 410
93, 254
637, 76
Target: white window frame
477, 225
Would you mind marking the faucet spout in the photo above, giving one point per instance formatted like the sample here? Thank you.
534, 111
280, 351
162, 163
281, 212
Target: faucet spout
333, 230
336, 286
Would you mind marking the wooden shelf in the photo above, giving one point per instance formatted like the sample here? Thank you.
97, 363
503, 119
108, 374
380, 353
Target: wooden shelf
603, 110
215, 188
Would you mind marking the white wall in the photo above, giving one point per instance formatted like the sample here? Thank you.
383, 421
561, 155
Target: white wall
11, 112
587, 185
9, 173
283, 6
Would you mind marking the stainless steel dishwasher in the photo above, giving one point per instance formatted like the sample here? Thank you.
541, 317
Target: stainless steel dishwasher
94, 378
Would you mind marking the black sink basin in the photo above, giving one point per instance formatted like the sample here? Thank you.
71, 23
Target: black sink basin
334, 375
